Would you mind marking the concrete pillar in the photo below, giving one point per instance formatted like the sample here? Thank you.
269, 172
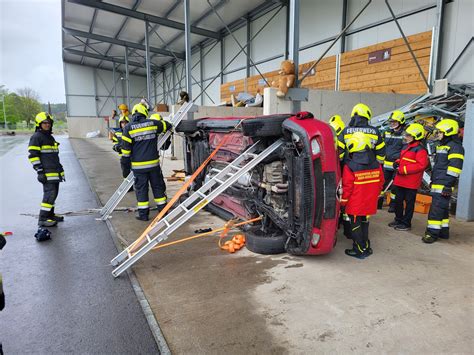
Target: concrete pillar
465, 205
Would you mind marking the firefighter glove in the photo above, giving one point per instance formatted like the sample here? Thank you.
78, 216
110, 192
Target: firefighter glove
447, 191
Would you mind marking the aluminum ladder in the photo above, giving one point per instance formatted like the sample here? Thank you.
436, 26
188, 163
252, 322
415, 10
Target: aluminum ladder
162, 229
127, 183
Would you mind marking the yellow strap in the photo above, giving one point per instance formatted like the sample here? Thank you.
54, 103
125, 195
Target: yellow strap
126, 139
125, 151
34, 159
144, 129
140, 163
434, 222
52, 174
410, 160
455, 156
143, 203
455, 170
43, 204
34, 147
366, 182
380, 146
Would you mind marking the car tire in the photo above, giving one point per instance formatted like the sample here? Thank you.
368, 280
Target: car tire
187, 126
264, 127
257, 242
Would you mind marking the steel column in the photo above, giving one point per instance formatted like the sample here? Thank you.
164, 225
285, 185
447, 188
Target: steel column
438, 41
96, 97
201, 70
465, 203
344, 22
165, 94
222, 60
287, 32
187, 43
173, 81
247, 67
294, 45
115, 85
127, 78
147, 62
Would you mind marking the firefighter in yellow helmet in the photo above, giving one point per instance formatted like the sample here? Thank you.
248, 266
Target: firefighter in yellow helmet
360, 117
118, 144
140, 139
445, 174
362, 181
44, 156
393, 146
124, 114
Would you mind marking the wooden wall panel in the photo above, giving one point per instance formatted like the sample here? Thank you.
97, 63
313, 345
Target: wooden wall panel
399, 74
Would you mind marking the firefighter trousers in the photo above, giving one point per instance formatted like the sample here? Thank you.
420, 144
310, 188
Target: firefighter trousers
438, 217
154, 179
50, 193
407, 196
125, 165
360, 232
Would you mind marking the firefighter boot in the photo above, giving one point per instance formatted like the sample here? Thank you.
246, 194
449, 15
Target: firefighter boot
143, 214
47, 223
357, 252
428, 238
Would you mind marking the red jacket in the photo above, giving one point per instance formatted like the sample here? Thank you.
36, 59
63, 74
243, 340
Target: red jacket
361, 189
413, 162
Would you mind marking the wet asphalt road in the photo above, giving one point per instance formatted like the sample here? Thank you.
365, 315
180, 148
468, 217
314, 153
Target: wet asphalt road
60, 294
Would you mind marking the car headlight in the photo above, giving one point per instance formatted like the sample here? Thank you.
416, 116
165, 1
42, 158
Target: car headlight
315, 148
315, 239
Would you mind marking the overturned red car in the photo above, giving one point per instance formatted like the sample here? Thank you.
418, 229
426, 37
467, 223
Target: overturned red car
295, 189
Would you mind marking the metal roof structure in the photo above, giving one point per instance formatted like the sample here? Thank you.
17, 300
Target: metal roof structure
97, 33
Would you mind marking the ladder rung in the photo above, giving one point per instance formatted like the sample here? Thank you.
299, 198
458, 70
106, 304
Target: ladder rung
184, 208
219, 181
201, 194
148, 238
166, 222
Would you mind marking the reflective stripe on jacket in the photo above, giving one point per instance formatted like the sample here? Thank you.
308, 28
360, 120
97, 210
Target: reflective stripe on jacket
361, 186
44, 155
448, 164
413, 162
393, 146
361, 125
139, 142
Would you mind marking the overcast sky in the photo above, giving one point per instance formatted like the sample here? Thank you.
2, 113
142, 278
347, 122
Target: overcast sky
30, 47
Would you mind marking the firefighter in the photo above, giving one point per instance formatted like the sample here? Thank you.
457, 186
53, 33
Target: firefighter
409, 170
124, 114
394, 140
362, 181
44, 156
139, 145
338, 125
118, 144
446, 170
360, 116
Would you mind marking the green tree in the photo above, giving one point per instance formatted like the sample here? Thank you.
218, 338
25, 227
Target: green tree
28, 105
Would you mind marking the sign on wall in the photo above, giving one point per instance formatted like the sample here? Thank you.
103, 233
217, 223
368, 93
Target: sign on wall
380, 56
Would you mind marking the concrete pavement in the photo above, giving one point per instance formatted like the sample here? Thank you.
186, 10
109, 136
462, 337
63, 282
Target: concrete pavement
406, 298
60, 296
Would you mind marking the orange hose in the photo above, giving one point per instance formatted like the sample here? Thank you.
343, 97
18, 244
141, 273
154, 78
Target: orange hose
206, 233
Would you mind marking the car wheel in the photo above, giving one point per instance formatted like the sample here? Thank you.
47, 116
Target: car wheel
258, 242
264, 127
187, 126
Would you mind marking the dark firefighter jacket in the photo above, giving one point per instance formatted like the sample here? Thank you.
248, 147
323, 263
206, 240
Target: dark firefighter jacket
448, 164
362, 181
360, 124
139, 142
413, 162
393, 147
118, 142
44, 155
